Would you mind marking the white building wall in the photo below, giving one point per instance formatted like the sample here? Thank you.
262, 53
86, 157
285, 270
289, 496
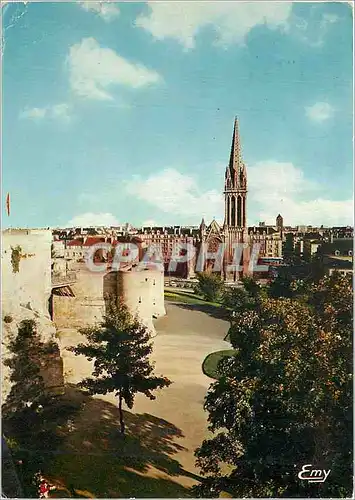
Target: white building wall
32, 283
25, 293
143, 293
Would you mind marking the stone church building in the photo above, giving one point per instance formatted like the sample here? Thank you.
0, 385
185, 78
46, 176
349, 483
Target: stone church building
209, 238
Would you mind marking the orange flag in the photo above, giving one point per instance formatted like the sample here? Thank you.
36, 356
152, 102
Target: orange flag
8, 203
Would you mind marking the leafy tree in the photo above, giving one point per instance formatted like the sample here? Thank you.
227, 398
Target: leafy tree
285, 286
28, 389
210, 286
30, 414
120, 347
285, 398
281, 287
245, 297
253, 289
235, 298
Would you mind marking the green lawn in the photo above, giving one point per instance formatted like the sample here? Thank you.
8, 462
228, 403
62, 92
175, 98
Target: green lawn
96, 461
209, 366
188, 298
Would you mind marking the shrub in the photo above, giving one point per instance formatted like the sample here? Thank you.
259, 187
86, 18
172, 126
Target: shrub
15, 258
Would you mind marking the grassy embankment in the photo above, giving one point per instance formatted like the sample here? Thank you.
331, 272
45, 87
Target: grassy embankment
188, 298
209, 366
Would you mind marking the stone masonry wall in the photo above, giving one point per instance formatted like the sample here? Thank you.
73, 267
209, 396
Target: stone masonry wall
25, 294
143, 292
86, 307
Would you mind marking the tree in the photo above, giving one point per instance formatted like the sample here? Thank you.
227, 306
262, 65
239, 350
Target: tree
30, 414
53, 252
28, 389
210, 286
285, 399
245, 297
120, 347
235, 298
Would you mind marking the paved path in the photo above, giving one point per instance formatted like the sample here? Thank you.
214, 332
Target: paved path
184, 338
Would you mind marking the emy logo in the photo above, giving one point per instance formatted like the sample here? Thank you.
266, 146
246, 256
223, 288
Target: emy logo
313, 475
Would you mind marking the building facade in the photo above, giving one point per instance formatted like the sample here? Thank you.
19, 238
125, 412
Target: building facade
214, 244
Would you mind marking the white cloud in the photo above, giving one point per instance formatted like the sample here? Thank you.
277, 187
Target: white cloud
177, 194
276, 187
231, 21
314, 31
107, 10
329, 19
61, 111
91, 219
319, 112
34, 113
150, 222
56, 111
273, 187
94, 69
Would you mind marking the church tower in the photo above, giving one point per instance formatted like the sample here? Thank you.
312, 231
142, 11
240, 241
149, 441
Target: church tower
235, 186
235, 206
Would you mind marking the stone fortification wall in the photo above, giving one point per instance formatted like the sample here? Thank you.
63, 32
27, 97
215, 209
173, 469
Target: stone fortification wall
87, 305
143, 292
31, 283
26, 289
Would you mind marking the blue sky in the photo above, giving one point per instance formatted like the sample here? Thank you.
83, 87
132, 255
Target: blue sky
122, 112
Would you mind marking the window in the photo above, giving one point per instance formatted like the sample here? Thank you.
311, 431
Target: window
153, 282
140, 300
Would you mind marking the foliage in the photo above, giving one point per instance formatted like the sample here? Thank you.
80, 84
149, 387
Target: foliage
210, 286
120, 347
241, 299
8, 318
28, 386
252, 288
30, 414
286, 287
211, 362
285, 398
16, 253
235, 298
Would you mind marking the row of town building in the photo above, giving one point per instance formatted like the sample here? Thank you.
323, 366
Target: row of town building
279, 245
276, 244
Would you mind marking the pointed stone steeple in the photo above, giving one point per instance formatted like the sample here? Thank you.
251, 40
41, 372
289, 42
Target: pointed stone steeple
235, 189
235, 161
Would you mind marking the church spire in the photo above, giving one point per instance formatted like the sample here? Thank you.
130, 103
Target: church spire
235, 187
235, 161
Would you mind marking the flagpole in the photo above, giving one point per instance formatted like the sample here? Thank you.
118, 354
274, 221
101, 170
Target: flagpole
8, 204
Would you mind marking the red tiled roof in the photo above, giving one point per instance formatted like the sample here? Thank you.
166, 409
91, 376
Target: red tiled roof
75, 243
92, 241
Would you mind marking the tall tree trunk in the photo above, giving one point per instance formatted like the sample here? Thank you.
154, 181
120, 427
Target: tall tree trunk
121, 414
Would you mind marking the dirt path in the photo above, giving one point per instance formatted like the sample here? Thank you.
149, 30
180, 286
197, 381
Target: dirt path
184, 338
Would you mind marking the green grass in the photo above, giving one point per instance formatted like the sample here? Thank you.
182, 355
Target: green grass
209, 366
188, 298
96, 461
